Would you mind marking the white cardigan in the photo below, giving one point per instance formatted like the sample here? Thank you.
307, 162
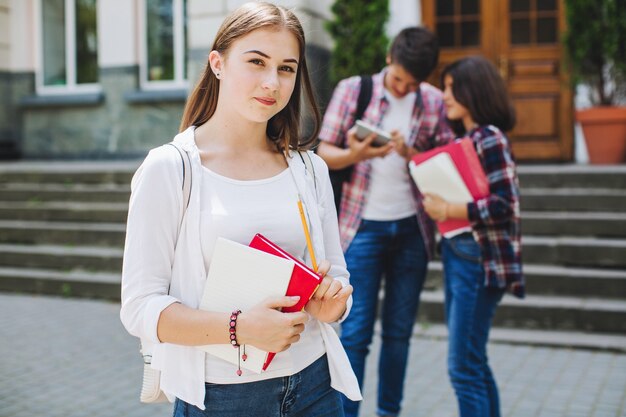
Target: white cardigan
156, 263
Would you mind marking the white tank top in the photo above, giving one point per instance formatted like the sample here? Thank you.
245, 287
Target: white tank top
390, 196
237, 210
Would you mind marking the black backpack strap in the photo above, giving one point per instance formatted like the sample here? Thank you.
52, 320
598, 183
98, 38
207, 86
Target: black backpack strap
363, 100
341, 176
365, 95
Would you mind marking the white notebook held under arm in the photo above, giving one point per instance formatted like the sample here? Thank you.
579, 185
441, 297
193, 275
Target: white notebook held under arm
239, 278
439, 175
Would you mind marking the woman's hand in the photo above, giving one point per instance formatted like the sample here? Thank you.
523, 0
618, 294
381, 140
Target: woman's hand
436, 207
266, 328
329, 300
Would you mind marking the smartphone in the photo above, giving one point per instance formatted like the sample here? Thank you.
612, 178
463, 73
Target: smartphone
363, 129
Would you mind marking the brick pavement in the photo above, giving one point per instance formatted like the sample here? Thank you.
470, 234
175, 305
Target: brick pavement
72, 358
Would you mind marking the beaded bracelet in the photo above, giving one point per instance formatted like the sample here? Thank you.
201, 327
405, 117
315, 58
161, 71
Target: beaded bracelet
233, 339
233, 327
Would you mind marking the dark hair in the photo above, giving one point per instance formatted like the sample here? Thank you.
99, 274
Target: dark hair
477, 85
416, 49
284, 128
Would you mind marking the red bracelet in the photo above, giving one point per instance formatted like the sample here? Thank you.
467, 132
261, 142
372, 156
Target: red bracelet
233, 327
233, 339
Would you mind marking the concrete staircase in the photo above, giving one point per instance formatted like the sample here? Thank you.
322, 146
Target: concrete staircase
62, 232
62, 227
574, 253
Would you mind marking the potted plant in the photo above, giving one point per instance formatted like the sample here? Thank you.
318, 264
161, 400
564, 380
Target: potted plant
596, 44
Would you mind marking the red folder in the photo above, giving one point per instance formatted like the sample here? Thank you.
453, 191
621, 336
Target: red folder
467, 163
304, 281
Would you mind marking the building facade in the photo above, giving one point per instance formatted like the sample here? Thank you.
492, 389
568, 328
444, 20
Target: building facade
104, 79
108, 79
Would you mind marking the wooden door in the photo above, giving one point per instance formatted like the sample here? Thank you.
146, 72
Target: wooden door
522, 38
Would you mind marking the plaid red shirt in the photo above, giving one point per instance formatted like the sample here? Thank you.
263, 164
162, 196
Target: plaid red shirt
428, 129
496, 219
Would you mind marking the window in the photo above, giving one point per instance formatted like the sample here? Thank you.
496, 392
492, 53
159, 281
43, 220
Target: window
68, 46
534, 22
164, 63
458, 23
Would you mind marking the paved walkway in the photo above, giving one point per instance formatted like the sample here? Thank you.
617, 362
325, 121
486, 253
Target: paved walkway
72, 358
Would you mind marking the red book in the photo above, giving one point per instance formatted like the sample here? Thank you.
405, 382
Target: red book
304, 281
469, 168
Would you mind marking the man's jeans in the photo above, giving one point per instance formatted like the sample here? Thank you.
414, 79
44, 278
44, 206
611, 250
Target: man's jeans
470, 307
396, 250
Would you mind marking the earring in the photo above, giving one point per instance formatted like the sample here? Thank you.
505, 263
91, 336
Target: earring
217, 75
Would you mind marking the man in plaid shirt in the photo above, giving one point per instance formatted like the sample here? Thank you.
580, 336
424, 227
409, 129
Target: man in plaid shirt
384, 229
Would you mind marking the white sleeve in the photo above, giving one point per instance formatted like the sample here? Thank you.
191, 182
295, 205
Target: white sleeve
154, 214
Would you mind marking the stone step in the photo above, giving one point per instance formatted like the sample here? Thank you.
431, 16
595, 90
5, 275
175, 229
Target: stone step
541, 279
557, 281
534, 223
62, 258
64, 211
545, 338
68, 172
62, 233
70, 284
32, 193
573, 199
93, 171
552, 223
565, 251
572, 176
534, 312
543, 312
574, 251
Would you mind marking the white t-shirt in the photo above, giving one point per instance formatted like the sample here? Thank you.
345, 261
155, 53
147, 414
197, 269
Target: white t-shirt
389, 195
225, 212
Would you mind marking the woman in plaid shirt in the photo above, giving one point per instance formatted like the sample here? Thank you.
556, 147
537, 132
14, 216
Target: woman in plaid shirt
479, 266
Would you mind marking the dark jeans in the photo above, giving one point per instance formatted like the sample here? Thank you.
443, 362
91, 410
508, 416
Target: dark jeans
470, 307
396, 250
305, 394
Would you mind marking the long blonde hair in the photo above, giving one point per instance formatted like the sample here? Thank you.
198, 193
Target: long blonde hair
284, 128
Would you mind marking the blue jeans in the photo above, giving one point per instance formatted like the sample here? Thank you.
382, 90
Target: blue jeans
305, 394
396, 250
470, 307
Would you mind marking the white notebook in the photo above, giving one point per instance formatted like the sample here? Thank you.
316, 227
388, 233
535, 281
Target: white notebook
240, 277
438, 175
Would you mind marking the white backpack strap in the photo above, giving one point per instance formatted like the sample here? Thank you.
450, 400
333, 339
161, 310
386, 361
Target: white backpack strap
150, 386
187, 180
308, 165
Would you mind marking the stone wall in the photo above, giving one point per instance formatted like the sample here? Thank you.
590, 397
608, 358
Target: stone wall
121, 122
13, 85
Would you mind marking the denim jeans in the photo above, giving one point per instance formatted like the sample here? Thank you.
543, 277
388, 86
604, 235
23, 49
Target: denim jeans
305, 394
470, 307
395, 250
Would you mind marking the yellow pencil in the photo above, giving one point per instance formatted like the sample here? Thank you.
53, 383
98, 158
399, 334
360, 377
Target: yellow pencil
307, 235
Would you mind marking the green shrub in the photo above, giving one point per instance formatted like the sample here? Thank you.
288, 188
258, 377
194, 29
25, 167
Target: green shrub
596, 44
358, 29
